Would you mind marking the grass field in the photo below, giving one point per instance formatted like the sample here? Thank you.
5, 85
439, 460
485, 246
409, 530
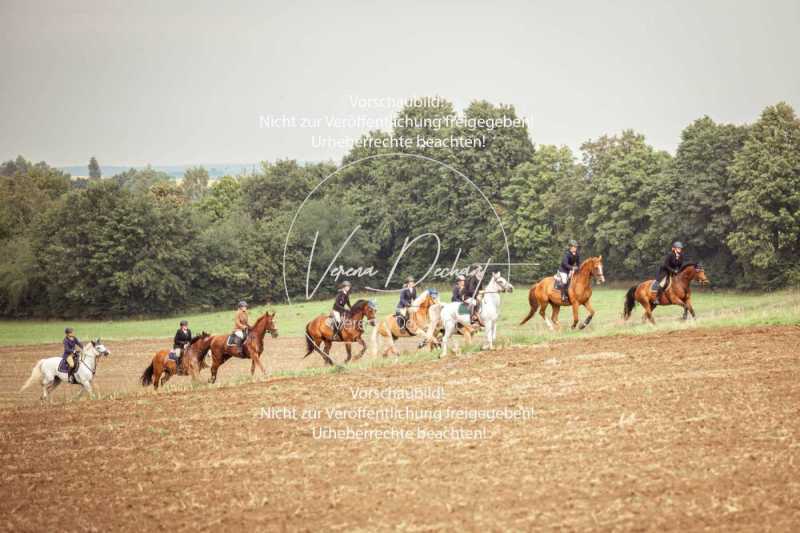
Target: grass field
714, 308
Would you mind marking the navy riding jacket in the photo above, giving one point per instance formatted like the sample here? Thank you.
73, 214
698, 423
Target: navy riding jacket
569, 263
70, 343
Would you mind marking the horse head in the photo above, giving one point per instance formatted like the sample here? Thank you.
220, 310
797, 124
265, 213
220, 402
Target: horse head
271, 324
503, 285
700, 275
597, 268
364, 309
101, 350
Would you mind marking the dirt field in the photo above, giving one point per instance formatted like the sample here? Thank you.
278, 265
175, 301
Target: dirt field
685, 430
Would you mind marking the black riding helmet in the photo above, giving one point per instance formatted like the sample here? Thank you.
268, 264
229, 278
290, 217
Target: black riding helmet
67, 331
678, 244
184, 322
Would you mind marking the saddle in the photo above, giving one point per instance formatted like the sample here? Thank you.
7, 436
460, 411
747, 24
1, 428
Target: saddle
173, 356
558, 284
64, 367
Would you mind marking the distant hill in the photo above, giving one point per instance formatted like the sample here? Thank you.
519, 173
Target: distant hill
214, 170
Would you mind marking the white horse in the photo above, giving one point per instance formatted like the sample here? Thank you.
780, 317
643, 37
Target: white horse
490, 306
452, 314
47, 373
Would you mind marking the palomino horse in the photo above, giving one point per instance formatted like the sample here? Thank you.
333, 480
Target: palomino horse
252, 347
580, 292
320, 330
49, 375
419, 320
163, 368
679, 292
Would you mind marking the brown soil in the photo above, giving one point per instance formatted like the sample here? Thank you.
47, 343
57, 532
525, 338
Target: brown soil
682, 430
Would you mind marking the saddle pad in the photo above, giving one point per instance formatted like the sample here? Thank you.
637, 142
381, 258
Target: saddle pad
231, 340
463, 309
654, 287
63, 366
173, 356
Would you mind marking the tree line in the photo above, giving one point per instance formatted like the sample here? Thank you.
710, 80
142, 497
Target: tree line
139, 243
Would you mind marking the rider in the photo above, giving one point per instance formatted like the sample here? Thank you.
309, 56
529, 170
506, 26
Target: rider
671, 265
182, 339
407, 296
72, 347
241, 324
459, 292
569, 265
340, 305
472, 291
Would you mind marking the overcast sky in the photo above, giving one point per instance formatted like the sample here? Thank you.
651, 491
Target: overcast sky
187, 81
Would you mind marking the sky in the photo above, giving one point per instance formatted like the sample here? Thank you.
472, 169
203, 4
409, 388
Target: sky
190, 82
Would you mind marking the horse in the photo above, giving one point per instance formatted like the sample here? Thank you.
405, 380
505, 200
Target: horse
451, 316
580, 292
490, 306
252, 347
163, 368
320, 330
419, 316
679, 292
48, 373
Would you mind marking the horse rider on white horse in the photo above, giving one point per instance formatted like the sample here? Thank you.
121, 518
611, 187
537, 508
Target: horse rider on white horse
51, 371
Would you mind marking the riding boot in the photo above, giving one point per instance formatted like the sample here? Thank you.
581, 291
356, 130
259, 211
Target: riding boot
564, 294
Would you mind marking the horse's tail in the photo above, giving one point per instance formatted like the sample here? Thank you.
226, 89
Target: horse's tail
630, 302
534, 303
147, 376
36, 373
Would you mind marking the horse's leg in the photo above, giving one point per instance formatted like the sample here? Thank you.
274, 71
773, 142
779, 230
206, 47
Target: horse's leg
576, 316
349, 352
542, 309
363, 348
326, 353
216, 362
553, 322
589, 308
449, 326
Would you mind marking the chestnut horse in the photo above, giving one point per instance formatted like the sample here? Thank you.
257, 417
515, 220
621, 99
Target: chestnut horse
163, 368
320, 330
252, 346
679, 292
580, 292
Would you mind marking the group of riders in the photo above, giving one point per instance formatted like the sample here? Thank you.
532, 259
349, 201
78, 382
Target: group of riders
465, 290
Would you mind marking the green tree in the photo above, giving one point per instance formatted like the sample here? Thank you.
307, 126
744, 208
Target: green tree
195, 182
94, 169
623, 174
694, 206
766, 206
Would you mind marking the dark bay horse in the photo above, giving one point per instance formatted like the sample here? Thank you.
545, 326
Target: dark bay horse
163, 368
544, 293
679, 292
320, 330
252, 346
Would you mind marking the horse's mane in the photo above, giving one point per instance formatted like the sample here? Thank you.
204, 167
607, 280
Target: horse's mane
419, 299
588, 262
358, 305
197, 338
687, 265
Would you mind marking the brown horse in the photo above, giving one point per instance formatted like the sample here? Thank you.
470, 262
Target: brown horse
679, 292
320, 330
419, 321
163, 368
252, 346
580, 292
